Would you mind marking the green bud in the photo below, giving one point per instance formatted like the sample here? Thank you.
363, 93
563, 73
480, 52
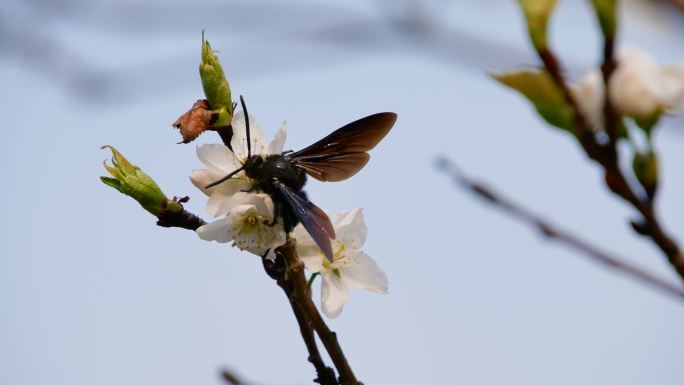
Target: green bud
537, 13
606, 11
538, 87
132, 181
645, 166
214, 81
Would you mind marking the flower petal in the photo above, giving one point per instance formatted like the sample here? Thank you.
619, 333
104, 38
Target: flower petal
275, 146
249, 225
308, 250
333, 295
226, 195
362, 272
672, 78
313, 259
635, 85
201, 178
239, 140
215, 231
350, 229
218, 158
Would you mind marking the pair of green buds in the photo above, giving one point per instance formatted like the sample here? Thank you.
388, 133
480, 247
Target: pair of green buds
214, 112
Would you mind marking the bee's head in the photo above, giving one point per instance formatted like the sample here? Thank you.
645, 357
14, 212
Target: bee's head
252, 164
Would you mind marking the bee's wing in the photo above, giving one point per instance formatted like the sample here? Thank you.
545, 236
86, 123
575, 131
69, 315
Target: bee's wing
343, 153
314, 220
334, 167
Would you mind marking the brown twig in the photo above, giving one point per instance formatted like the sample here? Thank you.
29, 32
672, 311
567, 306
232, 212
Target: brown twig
607, 156
183, 219
553, 67
552, 232
298, 291
611, 116
230, 377
277, 270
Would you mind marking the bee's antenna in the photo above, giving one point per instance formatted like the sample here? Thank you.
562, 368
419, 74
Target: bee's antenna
249, 141
225, 178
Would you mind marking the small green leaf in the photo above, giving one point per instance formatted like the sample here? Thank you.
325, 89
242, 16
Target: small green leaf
606, 12
538, 87
111, 182
214, 82
537, 13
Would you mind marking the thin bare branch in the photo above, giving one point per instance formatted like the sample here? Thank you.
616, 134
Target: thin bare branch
300, 295
277, 270
555, 233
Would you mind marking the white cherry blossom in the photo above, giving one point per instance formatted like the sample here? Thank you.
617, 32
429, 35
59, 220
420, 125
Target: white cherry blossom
639, 88
220, 161
351, 267
248, 225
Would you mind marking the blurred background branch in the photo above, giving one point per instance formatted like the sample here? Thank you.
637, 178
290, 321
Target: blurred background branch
555, 233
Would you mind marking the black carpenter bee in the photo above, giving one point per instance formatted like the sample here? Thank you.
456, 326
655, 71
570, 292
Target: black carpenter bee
334, 158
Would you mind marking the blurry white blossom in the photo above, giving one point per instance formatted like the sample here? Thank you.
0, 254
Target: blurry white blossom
220, 161
350, 267
249, 225
639, 88
589, 94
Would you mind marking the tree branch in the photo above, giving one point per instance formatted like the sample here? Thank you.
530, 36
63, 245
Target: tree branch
611, 116
276, 270
552, 232
608, 157
297, 290
183, 219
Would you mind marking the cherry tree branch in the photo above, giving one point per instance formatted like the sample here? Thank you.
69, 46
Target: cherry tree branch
288, 271
555, 233
183, 219
278, 271
607, 156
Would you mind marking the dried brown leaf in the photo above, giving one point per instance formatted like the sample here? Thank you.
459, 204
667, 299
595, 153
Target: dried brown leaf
194, 122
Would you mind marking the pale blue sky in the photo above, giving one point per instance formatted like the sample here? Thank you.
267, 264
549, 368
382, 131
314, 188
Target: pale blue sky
92, 292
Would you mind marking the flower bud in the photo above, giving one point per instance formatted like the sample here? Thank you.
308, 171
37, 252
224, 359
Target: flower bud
645, 166
214, 81
214, 113
132, 181
642, 89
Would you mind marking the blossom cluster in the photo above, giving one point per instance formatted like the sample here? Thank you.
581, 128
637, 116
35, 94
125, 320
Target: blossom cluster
246, 218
